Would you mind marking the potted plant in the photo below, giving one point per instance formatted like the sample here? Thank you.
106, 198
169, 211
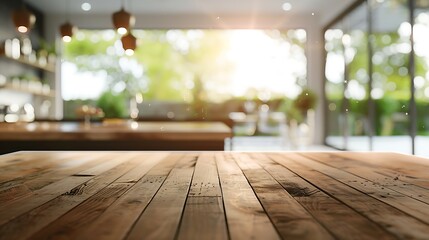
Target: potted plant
301, 118
306, 100
113, 105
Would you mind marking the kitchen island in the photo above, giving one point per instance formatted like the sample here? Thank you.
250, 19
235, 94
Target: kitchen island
213, 195
122, 135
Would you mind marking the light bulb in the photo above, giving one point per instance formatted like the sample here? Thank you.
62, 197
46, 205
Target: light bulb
66, 38
22, 29
129, 52
122, 30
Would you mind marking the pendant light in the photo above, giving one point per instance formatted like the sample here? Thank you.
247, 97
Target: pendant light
23, 19
129, 43
67, 29
122, 20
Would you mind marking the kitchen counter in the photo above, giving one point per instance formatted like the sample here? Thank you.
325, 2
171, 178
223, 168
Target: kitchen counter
213, 195
113, 136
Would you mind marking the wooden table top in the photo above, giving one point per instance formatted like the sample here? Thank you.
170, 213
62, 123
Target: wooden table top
114, 131
213, 195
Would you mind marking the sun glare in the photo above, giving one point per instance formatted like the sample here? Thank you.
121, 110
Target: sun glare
263, 63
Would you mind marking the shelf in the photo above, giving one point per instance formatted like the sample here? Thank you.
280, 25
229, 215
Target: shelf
22, 60
23, 90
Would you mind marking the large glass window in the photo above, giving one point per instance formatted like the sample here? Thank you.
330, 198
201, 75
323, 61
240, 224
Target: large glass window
379, 72
421, 80
334, 86
355, 43
391, 88
186, 69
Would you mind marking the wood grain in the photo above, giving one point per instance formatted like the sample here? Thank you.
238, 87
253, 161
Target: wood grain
161, 218
402, 202
365, 169
246, 217
40, 217
122, 214
213, 195
391, 219
21, 186
203, 216
406, 168
341, 220
288, 216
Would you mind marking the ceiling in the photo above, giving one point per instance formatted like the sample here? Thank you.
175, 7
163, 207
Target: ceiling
324, 9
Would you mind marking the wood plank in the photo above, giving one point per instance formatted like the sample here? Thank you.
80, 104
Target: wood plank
245, 215
39, 162
161, 218
51, 191
26, 186
212, 195
292, 221
14, 192
372, 173
205, 182
391, 219
49, 212
342, 221
390, 159
17, 158
413, 207
74, 167
147, 161
409, 169
204, 216
69, 225
31, 182
122, 214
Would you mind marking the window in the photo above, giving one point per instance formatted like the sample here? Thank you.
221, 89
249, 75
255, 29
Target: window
185, 66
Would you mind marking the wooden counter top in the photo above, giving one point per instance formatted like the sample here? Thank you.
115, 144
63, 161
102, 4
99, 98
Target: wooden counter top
113, 136
59, 131
213, 195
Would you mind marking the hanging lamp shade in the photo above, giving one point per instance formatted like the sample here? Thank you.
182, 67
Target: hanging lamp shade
67, 30
129, 43
123, 21
23, 20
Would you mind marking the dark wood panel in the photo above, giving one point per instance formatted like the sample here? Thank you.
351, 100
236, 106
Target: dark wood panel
113, 145
65, 136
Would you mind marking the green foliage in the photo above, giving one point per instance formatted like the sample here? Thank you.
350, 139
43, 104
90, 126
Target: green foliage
163, 67
49, 48
305, 101
359, 107
297, 109
113, 105
294, 114
387, 106
390, 66
172, 62
87, 45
